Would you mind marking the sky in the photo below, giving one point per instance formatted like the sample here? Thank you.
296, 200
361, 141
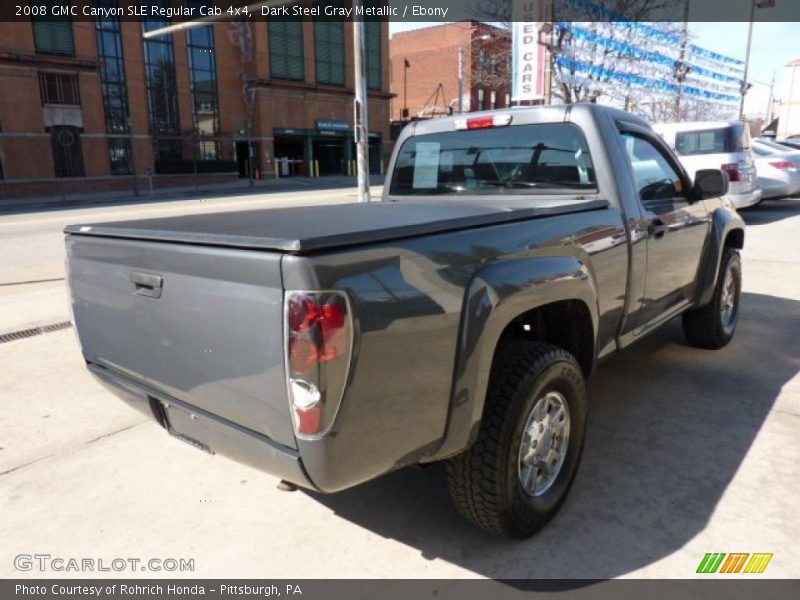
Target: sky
774, 45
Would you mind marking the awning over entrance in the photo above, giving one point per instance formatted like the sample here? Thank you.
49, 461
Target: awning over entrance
328, 149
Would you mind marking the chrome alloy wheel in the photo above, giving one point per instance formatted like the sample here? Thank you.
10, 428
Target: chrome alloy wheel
545, 439
728, 308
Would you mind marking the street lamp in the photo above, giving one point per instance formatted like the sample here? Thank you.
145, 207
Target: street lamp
681, 70
754, 4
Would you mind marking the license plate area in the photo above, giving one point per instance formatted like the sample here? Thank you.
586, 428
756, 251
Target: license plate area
185, 426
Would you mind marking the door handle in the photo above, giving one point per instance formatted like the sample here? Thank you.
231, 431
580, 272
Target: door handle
146, 284
657, 228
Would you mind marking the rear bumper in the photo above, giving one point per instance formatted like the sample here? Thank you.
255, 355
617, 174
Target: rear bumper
747, 199
206, 431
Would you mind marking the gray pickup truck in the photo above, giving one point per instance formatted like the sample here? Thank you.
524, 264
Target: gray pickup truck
455, 320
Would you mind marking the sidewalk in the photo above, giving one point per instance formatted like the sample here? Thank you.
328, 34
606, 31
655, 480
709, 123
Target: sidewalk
239, 187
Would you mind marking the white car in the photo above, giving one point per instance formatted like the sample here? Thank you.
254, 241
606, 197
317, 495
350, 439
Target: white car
778, 175
793, 154
793, 143
722, 145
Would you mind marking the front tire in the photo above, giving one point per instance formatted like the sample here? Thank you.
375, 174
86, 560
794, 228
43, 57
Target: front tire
516, 476
712, 326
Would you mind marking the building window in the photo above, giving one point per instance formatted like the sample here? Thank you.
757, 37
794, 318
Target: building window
329, 51
162, 88
67, 153
168, 150
205, 98
115, 91
374, 58
286, 50
53, 36
59, 88
119, 153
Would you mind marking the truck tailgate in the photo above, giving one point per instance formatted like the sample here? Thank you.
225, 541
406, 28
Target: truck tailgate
202, 324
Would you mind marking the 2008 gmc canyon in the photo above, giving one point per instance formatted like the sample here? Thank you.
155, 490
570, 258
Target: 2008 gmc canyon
455, 320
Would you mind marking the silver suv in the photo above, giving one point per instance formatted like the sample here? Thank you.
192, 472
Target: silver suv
717, 145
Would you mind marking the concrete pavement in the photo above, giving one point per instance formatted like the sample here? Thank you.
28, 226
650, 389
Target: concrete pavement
688, 452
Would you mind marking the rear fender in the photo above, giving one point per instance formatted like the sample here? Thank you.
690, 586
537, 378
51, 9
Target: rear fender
495, 297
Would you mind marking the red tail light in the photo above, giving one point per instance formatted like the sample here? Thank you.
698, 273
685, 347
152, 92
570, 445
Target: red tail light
318, 344
483, 122
733, 172
317, 332
783, 165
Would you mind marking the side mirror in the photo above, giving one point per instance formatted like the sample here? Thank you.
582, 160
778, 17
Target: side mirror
710, 183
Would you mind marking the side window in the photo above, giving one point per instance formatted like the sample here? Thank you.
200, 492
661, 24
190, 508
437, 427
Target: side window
657, 181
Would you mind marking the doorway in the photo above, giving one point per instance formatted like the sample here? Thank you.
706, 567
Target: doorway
246, 161
290, 154
329, 154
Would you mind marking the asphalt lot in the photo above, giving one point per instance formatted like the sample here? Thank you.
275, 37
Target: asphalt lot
688, 452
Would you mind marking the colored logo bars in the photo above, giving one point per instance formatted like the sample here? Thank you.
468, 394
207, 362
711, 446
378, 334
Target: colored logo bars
719, 562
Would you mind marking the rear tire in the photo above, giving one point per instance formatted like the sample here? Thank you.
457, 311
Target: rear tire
517, 474
712, 326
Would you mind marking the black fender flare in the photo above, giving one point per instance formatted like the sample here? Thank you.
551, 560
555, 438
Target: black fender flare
723, 222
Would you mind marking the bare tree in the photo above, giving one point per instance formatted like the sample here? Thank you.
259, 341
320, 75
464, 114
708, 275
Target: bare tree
491, 57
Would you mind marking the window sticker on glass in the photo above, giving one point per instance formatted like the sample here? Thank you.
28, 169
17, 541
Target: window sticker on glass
426, 165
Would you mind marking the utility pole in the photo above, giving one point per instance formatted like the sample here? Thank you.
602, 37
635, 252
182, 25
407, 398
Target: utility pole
460, 79
551, 56
406, 64
360, 120
754, 4
771, 99
132, 148
745, 85
249, 100
681, 70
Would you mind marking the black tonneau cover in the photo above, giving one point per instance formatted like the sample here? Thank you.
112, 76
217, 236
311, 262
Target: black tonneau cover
310, 228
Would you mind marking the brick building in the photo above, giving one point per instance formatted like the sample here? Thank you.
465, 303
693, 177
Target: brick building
87, 103
425, 69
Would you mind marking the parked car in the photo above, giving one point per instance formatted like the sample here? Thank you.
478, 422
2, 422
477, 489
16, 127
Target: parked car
778, 175
793, 154
717, 145
793, 143
456, 320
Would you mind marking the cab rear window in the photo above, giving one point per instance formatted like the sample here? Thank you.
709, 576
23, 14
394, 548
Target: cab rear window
724, 140
522, 159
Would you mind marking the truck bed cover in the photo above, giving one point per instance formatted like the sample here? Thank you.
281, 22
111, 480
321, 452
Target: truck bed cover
304, 229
